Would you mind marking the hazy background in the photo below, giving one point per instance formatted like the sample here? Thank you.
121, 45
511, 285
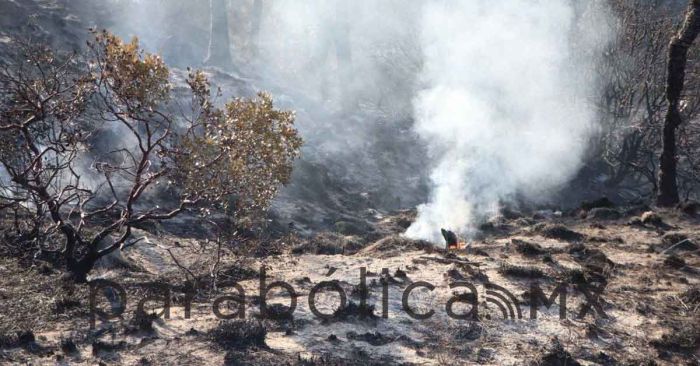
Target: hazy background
454, 107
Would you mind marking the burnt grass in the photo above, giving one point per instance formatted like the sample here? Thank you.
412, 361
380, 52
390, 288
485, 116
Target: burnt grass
354, 311
521, 271
17, 339
528, 248
239, 334
683, 338
691, 296
559, 231
373, 338
35, 299
557, 356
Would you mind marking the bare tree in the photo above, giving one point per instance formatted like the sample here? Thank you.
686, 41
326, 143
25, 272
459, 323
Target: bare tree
677, 59
54, 116
632, 99
633, 102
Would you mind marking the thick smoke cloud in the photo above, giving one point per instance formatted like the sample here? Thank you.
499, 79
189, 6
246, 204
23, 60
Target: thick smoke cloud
350, 55
498, 91
348, 68
505, 112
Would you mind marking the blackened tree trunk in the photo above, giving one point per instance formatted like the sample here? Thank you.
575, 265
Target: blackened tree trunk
677, 59
79, 268
219, 44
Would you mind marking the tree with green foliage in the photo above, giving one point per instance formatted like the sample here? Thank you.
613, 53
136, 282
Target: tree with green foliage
84, 148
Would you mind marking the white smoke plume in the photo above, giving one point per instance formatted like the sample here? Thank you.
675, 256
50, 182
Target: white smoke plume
499, 90
505, 109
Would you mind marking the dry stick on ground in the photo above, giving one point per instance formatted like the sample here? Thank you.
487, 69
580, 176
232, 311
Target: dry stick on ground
676, 245
195, 281
214, 269
677, 60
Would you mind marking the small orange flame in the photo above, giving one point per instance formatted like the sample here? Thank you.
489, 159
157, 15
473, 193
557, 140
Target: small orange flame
458, 246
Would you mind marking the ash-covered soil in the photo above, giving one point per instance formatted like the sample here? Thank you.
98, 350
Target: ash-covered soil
641, 267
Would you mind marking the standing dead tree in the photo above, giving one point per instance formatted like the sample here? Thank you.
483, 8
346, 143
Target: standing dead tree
633, 102
84, 151
677, 60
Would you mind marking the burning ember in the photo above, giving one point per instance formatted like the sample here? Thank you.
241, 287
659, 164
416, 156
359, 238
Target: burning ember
451, 240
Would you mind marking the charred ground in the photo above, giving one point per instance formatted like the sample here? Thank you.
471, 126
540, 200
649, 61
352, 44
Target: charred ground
649, 262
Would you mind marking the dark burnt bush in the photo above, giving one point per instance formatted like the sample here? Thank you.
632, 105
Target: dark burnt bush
239, 334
